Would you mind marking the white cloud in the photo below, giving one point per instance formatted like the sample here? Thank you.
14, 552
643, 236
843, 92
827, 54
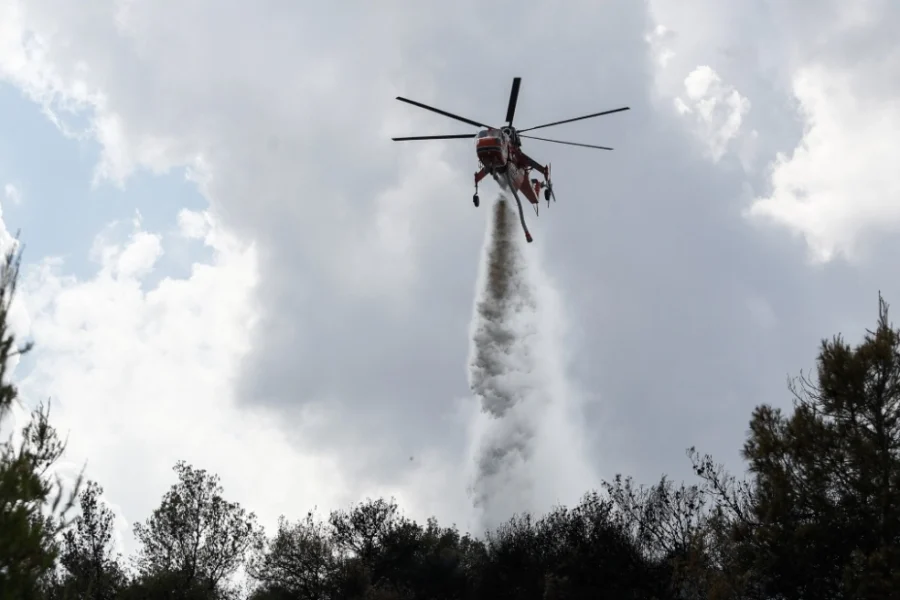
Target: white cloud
717, 110
163, 93
12, 193
834, 62
842, 180
659, 39
193, 225
142, 379
687, 77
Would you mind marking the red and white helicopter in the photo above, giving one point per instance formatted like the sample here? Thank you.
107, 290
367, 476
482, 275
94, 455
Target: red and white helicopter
500, 152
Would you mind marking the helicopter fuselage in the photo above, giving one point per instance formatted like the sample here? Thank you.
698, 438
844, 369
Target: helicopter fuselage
498, 152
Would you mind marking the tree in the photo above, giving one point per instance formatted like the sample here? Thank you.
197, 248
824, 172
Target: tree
726, 545
669, 525
31, 514
380, 550
195, 537
583, 552
379, 537
369, 552
92, 570
299, 562
820, 517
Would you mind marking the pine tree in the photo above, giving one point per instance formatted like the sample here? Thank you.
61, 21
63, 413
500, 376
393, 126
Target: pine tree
32, 509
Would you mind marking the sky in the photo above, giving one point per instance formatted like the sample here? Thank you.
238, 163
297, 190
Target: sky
228, 261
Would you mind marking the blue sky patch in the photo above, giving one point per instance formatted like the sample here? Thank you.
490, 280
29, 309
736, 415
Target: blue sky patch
60, 214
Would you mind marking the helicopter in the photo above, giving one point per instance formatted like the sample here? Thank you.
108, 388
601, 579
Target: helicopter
500, 155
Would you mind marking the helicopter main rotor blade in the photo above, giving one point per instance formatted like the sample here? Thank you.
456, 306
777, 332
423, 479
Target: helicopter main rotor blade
567, 143
605, 112
513, 99
434, 137
443, 112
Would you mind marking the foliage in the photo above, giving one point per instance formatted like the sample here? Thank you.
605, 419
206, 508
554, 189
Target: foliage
300, 560
826, 506
195, 535
91, 570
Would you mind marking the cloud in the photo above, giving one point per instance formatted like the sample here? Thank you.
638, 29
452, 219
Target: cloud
841, 182
12, 193
830, 64
717, 109
153, 371
659, 39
